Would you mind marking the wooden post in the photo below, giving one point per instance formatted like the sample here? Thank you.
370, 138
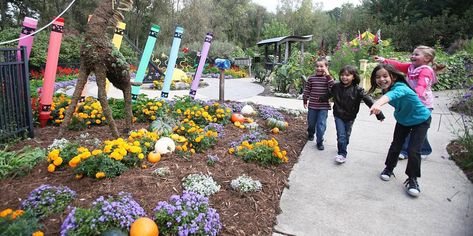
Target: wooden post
222, 86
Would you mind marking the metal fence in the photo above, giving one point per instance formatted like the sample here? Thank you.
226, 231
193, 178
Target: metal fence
16, 119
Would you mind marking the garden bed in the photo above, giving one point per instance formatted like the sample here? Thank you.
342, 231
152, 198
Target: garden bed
240, 214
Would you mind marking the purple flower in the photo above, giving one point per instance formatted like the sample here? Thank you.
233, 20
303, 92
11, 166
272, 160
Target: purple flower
47, 199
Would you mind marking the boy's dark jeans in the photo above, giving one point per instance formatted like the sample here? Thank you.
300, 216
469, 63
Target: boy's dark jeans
317, 120
418, 133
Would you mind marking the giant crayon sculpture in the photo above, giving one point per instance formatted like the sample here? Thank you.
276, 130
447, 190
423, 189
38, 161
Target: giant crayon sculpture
200, 67
140, 73
29, 27
172, 61
50, 71
118, 35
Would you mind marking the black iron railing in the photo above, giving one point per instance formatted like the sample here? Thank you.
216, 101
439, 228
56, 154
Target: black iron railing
16, 119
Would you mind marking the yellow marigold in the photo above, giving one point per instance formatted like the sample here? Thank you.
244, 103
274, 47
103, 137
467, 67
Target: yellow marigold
96, 152
136, 143
192, 151
141, 156
82, 149
231, 150
103, 118
58, 161
54, 154
79, 176
98, 121
38, 233
198, 139
100, 175
51, 168
6, 212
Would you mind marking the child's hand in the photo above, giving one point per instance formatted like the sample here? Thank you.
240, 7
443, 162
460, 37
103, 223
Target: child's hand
379, 59
305, 105
375, 109
326, 71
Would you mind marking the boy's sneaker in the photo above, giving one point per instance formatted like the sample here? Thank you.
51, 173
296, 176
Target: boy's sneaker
412, 187
340, 159
320, 146
423, 157
402, 156
386, 174
310, 138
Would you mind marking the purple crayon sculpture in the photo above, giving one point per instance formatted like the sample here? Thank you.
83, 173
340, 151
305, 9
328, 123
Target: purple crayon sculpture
50, 72
200, 67
29, 27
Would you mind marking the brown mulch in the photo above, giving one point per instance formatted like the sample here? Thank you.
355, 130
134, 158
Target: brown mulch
240, 214
462, 158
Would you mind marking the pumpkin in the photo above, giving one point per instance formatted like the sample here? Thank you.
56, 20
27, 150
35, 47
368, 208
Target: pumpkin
272, 122
144, 226
247, 110
237, 117
164, 145
154, 157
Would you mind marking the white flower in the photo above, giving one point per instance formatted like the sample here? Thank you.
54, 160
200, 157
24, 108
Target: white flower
201, 184
58, 144
246, 184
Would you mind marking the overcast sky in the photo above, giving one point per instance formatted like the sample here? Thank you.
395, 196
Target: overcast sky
327, 4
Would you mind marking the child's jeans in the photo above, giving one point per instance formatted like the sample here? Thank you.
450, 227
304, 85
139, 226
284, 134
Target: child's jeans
343, 135
425, 150
317, 119
418, 133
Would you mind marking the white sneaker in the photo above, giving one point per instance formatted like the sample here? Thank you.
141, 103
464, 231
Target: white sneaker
340, 159
423, 157
402, 156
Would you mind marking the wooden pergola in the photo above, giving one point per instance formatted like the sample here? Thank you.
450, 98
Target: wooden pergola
274, 47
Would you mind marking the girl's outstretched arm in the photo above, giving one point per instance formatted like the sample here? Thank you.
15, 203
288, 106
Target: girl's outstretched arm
376, 107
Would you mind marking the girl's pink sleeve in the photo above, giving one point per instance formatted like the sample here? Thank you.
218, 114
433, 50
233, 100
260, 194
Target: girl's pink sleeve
423, 81
401, 66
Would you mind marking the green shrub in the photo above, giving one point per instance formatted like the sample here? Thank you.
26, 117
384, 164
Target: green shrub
19, 163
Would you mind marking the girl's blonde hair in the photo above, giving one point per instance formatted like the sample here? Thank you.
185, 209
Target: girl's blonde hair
430, 52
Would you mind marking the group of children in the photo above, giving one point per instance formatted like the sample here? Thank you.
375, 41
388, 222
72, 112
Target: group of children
410, 95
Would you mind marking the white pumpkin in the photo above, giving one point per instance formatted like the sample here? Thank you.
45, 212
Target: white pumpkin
164, 145
247, 110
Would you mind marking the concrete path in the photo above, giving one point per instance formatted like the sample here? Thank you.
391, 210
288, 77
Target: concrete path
329, 199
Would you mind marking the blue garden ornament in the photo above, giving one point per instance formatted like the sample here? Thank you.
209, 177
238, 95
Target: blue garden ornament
222, 63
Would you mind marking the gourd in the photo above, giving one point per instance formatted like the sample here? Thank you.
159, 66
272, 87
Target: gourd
272, 122
114, 232
237, 117
160, 127
154, 157
164, 145
144, 226
247, 110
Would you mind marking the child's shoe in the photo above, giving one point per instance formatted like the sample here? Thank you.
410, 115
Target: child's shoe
320, 146
412, 187
402, 156
386, 174
340, 159
310, 138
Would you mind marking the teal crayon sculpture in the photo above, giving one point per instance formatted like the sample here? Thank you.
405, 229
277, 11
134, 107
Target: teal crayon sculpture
172, 62
140, 73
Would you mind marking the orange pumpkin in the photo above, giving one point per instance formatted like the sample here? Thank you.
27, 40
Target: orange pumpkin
144, 226
154, 157
237, 117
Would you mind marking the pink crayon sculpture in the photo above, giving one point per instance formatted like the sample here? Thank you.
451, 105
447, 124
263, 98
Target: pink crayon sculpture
200, 67
29, 27
50, 71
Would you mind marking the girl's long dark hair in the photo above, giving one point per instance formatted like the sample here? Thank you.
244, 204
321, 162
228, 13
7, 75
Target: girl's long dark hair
395, 74
352, 71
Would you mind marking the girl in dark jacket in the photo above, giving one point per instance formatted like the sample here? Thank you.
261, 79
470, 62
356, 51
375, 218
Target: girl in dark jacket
347, 95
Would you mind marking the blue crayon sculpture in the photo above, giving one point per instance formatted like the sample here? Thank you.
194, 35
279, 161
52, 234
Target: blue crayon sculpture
200, 67
140, 73
172, 61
